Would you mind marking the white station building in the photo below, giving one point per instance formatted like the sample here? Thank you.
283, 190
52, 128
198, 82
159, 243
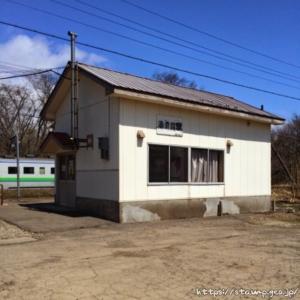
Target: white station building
148, 150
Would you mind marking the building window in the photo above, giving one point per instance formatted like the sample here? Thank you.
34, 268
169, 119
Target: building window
67, 167
71, 167
42, 170
12, 170
52, 170
199, 165
207, 165
158, 163
28, 170
63, 167
169, 164
216, 166
178, 164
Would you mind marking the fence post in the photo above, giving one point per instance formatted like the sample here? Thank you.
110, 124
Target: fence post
2, 194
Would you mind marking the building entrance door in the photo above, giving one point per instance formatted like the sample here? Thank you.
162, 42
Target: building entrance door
66, 180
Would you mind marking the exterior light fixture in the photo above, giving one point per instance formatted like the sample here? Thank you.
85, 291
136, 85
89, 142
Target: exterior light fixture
229, 144
140, 134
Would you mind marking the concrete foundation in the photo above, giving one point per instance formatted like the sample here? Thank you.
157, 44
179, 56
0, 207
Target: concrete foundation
106, 209
144, 211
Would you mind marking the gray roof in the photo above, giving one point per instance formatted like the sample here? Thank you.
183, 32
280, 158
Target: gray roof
153, 87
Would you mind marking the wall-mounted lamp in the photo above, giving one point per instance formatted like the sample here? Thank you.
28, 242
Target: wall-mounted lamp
229, 144
140, 134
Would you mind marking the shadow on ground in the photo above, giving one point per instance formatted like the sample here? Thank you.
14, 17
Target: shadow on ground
44, 216
51, 207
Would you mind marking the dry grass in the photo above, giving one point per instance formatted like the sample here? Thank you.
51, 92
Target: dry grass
30, 193
282, 193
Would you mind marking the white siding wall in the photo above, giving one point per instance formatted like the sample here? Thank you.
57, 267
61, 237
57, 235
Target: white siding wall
98, 115
247, 166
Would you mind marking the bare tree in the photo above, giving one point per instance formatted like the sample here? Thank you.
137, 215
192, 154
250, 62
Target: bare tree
174, 78
286, 141
19, 110
42, 85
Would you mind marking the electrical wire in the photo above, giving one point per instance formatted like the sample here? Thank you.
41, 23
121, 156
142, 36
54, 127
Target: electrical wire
159, 47
140, 59
178, 38
209, 34
27, 74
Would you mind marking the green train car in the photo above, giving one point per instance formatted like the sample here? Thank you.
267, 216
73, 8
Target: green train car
34, 172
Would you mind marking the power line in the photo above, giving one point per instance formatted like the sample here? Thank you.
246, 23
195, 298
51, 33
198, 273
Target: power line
180, 39
159, 47
18, 66
28, 74
140, 59
210, 35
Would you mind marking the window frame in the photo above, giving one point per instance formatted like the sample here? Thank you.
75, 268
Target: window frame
189, 182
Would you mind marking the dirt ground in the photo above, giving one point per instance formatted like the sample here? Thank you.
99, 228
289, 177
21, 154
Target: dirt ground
162, 260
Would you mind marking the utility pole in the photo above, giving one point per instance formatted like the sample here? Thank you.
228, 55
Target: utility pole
16, 143
18, 165
74, 88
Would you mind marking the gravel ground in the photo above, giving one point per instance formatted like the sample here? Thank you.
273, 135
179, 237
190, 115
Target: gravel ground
8, 231
162, 260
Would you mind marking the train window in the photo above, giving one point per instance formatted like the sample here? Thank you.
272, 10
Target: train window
42, 170
12, 170
52, 170
28, 170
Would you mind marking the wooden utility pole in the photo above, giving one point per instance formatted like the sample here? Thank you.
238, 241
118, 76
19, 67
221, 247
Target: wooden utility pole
74, 88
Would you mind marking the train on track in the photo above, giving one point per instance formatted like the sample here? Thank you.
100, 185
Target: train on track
34, 173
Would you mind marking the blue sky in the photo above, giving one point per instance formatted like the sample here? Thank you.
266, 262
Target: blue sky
271, 27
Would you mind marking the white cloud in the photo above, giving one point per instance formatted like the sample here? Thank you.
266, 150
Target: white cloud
35, 52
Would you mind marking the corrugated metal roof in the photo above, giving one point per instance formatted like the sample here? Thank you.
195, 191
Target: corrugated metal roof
149, 86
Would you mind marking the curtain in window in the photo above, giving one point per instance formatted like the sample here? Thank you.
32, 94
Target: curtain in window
199, 165
213, 166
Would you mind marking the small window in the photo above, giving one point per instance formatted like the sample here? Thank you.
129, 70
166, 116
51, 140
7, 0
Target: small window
199, 165
67, 167
158, 163
63, 167
178, 164
216, 166
28, 170
52, 170
12, 170
71, 167
42, 171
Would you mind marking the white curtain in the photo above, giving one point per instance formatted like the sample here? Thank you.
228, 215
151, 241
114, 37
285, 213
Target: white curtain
199, 165
213, 166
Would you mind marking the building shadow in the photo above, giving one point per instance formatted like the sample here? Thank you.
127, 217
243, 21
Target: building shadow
51, 207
